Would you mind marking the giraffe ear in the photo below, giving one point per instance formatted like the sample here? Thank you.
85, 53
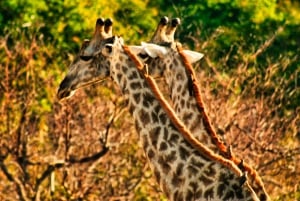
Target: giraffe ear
137, 49
193, 56
154, 50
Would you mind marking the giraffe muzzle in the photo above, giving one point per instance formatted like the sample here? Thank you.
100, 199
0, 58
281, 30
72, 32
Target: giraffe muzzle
65, 90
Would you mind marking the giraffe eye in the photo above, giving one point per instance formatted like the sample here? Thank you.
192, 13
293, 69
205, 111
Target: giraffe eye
109, 48
86, 58
143, 56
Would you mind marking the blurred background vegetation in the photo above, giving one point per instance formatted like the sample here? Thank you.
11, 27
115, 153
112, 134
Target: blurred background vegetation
87, 148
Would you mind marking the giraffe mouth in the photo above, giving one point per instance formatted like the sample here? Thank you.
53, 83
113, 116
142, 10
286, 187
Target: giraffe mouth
67, 92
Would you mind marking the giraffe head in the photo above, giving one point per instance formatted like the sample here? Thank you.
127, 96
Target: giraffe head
161, 52
92, 64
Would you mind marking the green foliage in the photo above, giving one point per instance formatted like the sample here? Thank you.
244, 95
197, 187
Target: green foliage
238, 32
65, 24
136, 18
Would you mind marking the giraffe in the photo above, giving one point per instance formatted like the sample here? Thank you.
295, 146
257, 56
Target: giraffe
184, 168
185, 93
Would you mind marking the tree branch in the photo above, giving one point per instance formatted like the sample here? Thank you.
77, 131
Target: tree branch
89, 158
20, 187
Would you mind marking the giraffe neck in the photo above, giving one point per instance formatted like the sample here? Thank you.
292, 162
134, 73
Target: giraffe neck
188, 105
184, 104
198, 106
182, 172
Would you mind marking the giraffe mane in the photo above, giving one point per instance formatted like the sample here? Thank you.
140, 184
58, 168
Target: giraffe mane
179, 124
224, 150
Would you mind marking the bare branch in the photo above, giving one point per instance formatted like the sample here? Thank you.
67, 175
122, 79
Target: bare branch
20, 187
89, 158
